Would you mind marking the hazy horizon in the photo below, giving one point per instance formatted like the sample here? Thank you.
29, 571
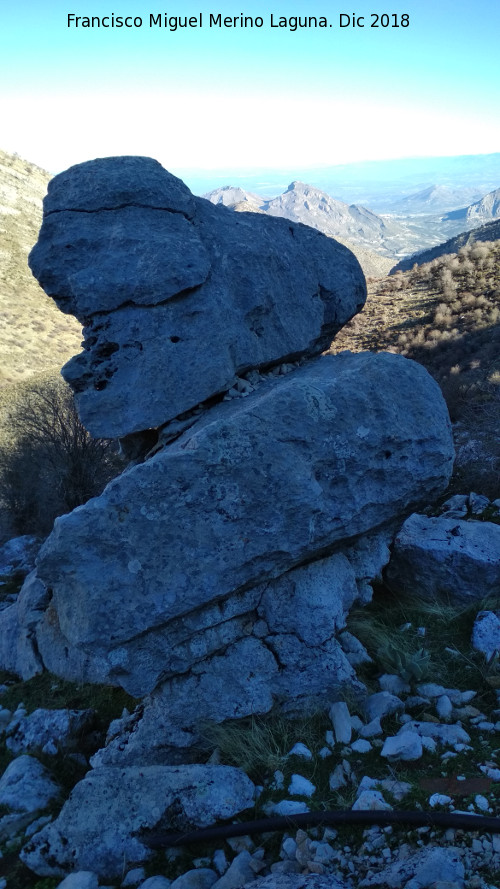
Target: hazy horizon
241, 97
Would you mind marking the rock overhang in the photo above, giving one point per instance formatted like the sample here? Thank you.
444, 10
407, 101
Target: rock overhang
179, 296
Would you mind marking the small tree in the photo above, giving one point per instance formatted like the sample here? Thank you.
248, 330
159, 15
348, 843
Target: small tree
49, 463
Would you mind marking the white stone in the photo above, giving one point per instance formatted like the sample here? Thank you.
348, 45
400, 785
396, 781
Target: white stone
220, 861
372, 729
481, 802
361, 746
341, 721
286, 807
201, 877
444, 707
337, 778
26, 785
486, 633
444, 734
300, 786
371, 800
439, 799
82, 879
300, 749
406, 747
381, 704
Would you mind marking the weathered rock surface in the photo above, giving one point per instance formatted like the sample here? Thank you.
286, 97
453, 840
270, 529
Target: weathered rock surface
486, 633
156, 274
17, 556
18, 650
27, 786
442, 556
347, 443
99, 826
48, 731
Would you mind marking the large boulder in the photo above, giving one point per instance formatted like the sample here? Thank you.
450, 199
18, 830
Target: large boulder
178, 295
446, 557
100, 825
301, 467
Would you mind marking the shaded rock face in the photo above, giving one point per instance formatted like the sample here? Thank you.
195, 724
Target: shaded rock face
300, 468
178, 295
444, 557
100, 826
214, 578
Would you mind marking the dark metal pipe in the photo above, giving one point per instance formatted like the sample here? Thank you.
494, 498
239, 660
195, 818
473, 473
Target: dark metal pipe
470, 822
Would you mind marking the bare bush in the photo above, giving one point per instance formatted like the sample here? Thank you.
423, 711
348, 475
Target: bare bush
49, 463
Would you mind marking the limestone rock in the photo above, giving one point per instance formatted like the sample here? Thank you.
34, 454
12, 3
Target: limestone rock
99, 825
406, 747
447, 557
421, 870
347, 443
17, 556
27, 786
18, 651
298, 881
48, 731
156, 273
486, 633
82, 879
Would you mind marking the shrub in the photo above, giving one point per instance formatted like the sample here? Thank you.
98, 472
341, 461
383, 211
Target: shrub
49, 463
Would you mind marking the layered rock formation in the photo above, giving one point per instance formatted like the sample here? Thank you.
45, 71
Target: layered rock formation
215, 576
178, 296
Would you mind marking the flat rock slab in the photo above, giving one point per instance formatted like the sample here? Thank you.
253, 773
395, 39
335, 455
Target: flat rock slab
178, 295
99, 826
453, 558
347, 443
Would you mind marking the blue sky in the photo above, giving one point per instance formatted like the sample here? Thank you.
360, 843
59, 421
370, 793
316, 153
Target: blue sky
209, 98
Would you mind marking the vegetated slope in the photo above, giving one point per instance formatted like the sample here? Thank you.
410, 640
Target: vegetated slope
446, 315
488, 232
487, 208
34, 335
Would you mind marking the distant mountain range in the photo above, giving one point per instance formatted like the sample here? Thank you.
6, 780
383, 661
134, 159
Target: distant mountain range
36, 337
388, 235
436, 199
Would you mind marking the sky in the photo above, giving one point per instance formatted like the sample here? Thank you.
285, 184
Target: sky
233, 98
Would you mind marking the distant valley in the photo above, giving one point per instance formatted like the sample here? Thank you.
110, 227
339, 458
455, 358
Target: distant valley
392, 236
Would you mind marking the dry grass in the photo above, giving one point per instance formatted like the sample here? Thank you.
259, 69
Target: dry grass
34, 335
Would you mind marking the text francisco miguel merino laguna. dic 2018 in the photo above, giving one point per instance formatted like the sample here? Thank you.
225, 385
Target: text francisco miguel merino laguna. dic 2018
217, 20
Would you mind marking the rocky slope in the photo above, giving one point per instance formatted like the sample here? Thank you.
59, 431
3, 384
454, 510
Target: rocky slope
481, 211
488, 232
34, 336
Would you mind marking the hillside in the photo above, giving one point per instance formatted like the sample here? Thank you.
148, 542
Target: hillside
488, 232
436, 199
34, 335
445, 314
481, 211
